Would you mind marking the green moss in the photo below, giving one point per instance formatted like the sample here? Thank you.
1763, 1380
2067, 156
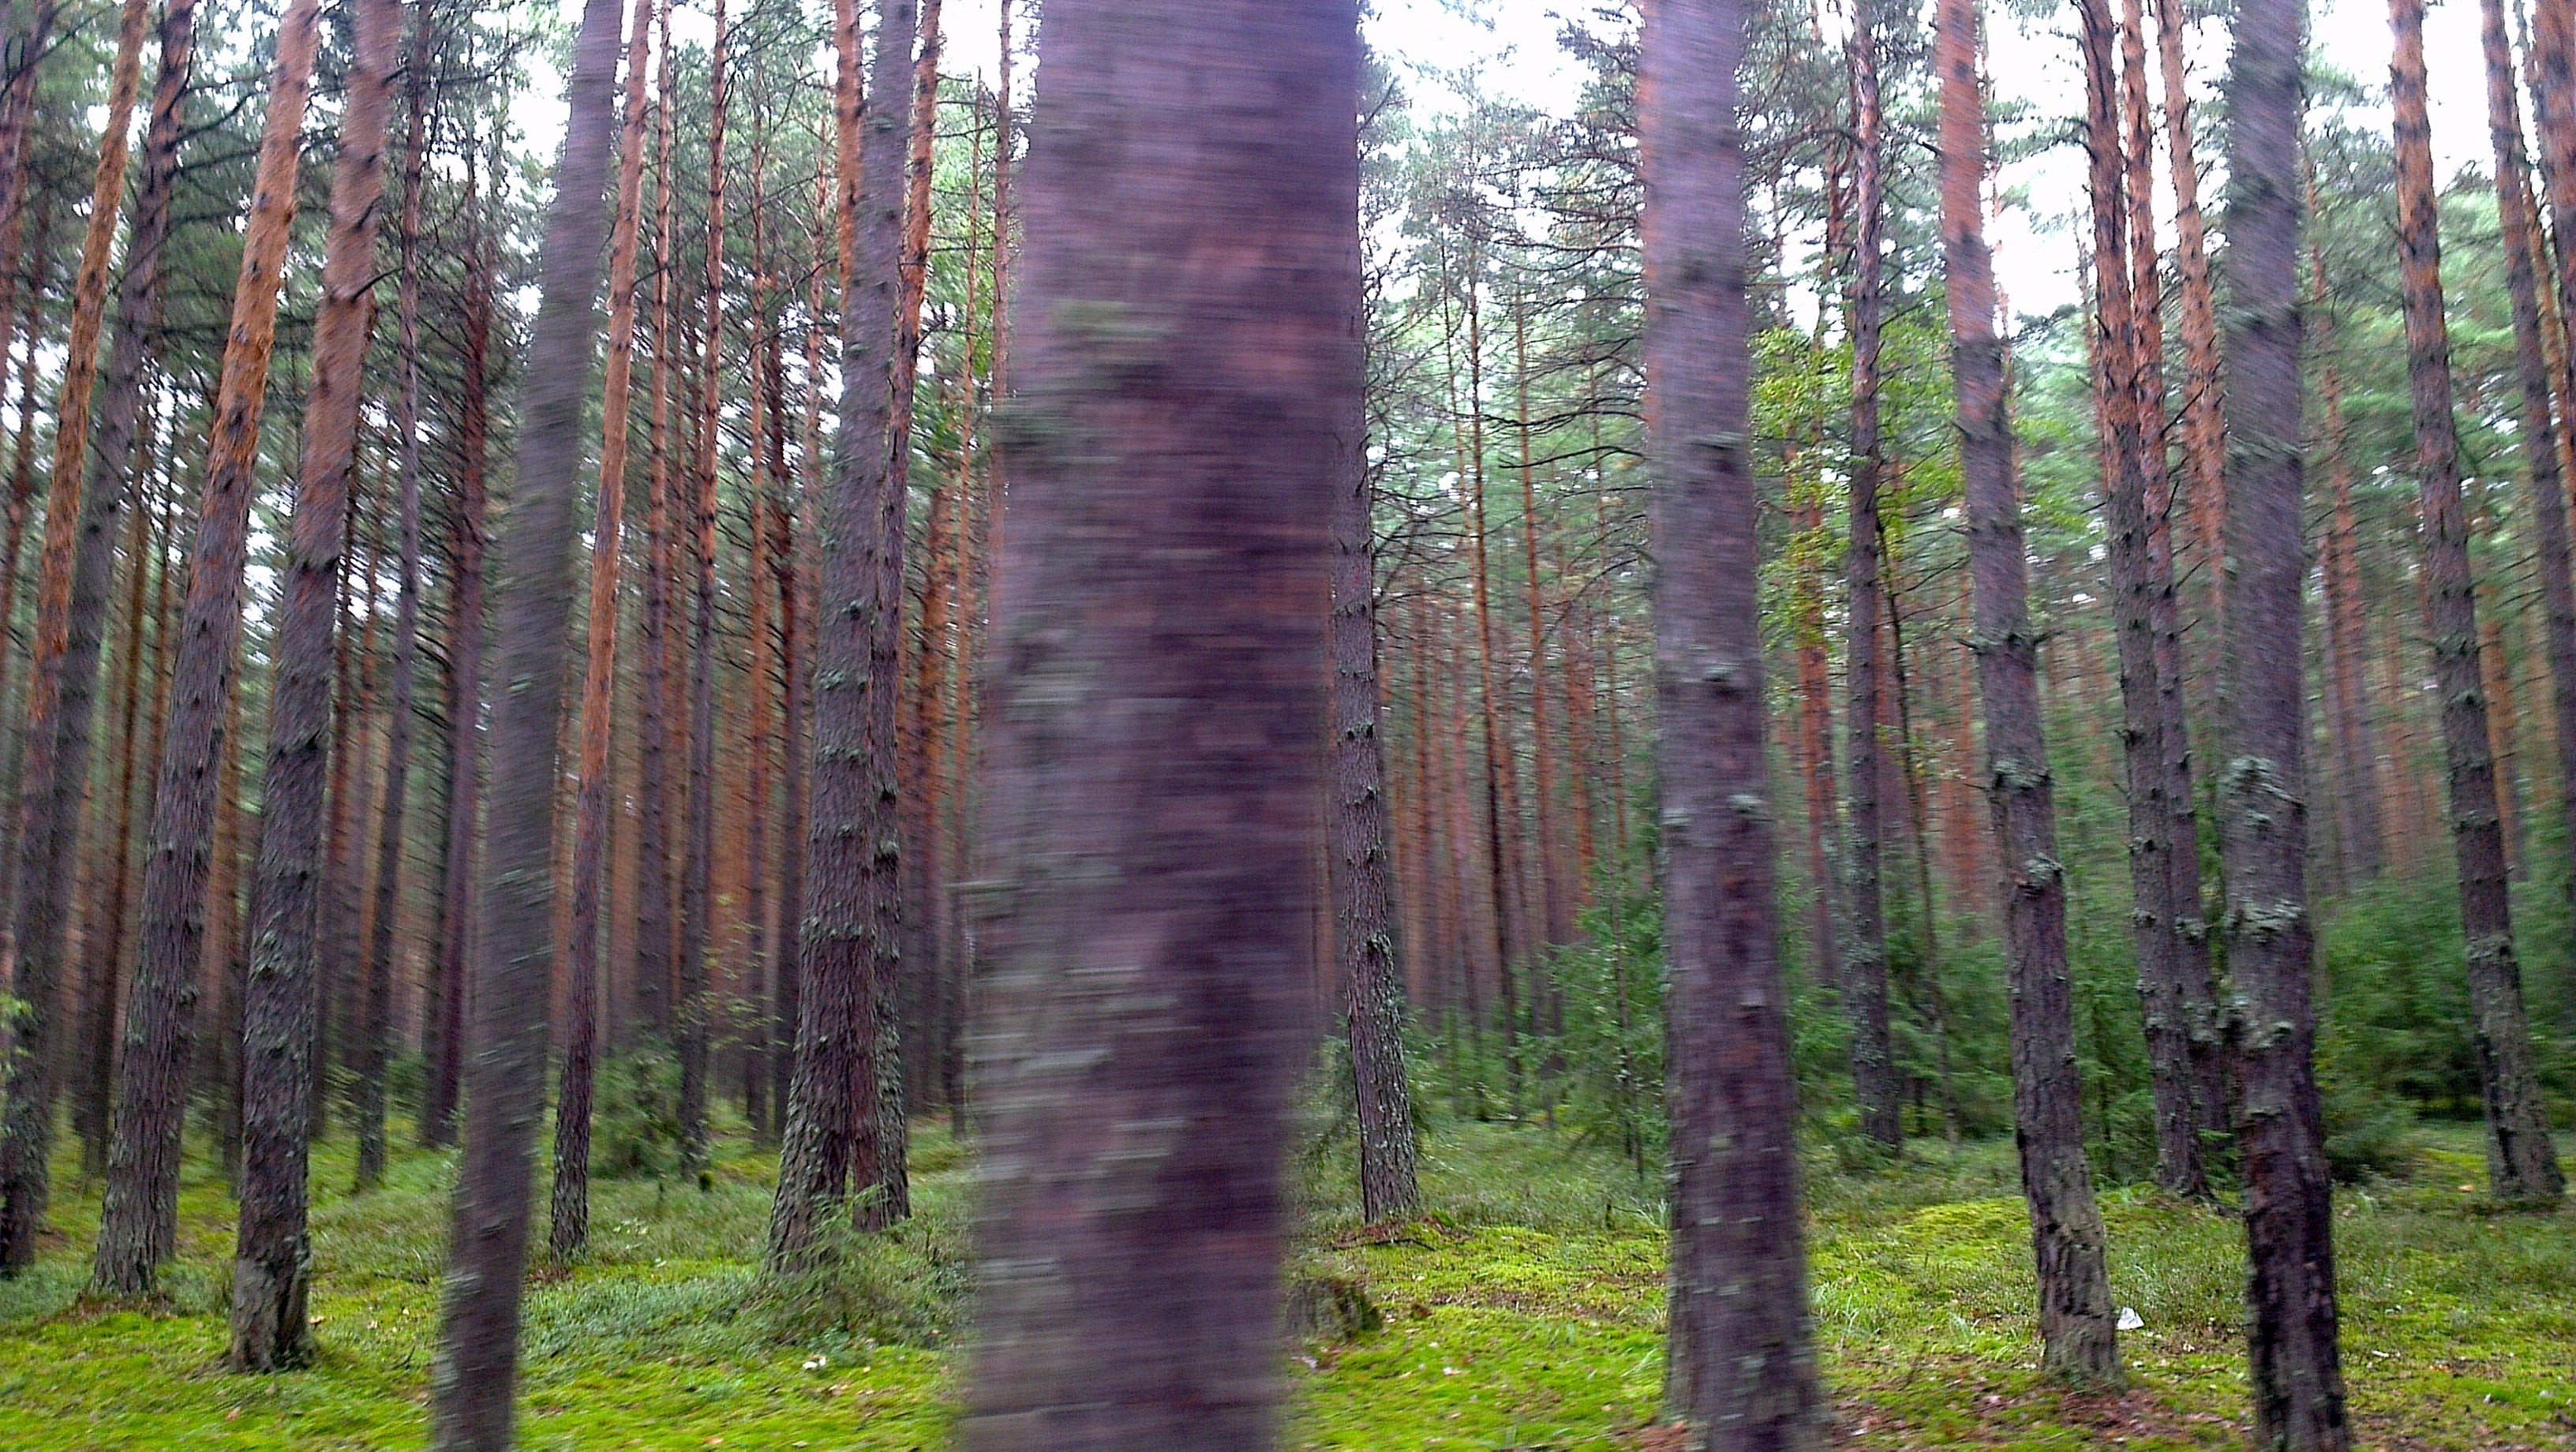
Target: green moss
1528, 1312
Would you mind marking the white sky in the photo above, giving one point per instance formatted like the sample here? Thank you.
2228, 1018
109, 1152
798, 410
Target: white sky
1510, 47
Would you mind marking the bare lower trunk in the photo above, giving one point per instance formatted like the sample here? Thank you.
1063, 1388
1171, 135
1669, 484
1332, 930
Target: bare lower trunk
478, 1356
2291, 1330
272, 1256
2521, 1163
570, 1220
1357, 855
1739, 1360
1864, 975
1167, 550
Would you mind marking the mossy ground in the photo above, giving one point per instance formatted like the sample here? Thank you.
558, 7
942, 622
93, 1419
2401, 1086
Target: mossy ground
1525, 1313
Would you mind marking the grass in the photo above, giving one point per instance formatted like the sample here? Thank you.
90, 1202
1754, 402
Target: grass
1525, 1313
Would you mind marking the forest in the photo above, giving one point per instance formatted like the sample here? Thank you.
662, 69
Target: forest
772, 725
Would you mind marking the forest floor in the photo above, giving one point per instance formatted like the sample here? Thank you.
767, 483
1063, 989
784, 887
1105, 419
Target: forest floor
1525, 1313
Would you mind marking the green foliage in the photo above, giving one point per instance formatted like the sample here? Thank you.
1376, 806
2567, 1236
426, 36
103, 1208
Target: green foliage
636, 1132
2394, 1019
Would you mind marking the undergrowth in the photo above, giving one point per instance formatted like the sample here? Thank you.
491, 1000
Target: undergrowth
1523, 1311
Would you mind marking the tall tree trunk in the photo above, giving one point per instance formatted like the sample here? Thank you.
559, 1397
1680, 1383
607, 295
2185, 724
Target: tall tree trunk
597, 810
272, 1257
465, 623
1356, 847
787, 951
139, 1220
76, 576
654, 938
842, 1054
924, 970
1864, 977
376, 1032
2181, 1014
1511, 937
107, 959
1174, 559
1557, 914
2523, 261
757, 578
1816, 732
2297, 1370
2522, 1166
478, 1357
2204, 447
2078, 1336
697, 896
1740, 1362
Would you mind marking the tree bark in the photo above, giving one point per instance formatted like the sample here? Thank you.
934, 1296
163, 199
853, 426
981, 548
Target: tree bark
465, 625
654, 938
74, 580
2297, 1371
2204, 446
833, 1130
2078, 1336
2186, 1068
2522, 1165
1739, 1356
272, 1255
1357, 846
570, 1205
478, 1358
2523, 262
1156, 821
376, 1032
1864, 977
697, 896
139, 1223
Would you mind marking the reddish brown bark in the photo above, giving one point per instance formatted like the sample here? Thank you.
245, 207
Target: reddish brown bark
2204, 448
272, 1256
655, 943
139, 1223
569, 1223
2521, 1163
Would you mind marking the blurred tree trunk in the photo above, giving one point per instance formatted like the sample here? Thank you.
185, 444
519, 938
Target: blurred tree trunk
458, 882
570, 1204
1156, 829
478, 1356
376, 1032
697, 895
1864, 975
654, 928
2523, 263
2296, 1369
1740, 1365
